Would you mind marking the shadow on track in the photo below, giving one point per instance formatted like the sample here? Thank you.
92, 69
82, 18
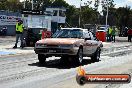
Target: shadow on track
58, 64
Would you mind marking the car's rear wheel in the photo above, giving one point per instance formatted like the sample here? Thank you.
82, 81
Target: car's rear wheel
79, 57
41, 58
96, 55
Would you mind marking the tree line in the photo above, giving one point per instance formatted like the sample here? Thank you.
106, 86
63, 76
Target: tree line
120, 17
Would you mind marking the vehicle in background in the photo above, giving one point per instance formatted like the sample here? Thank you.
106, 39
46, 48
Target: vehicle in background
96, 28
69, 43
30, 38
3, 31
101, 33
102, 29
91, 27
123, 33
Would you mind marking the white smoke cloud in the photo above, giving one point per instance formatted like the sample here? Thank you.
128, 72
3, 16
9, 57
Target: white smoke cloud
124, 3
21, 0
129, 0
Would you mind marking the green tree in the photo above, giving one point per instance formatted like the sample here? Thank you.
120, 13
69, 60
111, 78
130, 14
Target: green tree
96, 4
111, 5
72, 15
59, 3
11, 5
89, 15
124, 15
42, 4
14, 5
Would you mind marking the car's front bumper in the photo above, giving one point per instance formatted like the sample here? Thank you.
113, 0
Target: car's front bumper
56, 51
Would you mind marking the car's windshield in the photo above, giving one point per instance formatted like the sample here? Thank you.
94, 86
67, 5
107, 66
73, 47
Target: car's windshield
68, 33
102, 28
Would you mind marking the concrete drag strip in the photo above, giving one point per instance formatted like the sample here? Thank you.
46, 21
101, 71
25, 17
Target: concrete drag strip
21, 70
57, 77
22, 74
119, 65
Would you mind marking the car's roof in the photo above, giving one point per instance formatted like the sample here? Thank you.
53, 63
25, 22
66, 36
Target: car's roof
101, 30
75, 29
102, 27
71, 28
85, 29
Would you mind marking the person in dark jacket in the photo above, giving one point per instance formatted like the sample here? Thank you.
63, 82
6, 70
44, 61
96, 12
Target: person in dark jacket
129, 32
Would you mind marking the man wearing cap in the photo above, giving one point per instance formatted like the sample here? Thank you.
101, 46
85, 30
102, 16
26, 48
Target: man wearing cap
19, 32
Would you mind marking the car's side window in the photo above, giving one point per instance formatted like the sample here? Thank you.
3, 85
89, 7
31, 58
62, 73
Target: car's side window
92, 37
89, 35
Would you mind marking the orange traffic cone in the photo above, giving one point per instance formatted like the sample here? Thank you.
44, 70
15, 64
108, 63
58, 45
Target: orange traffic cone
81, 71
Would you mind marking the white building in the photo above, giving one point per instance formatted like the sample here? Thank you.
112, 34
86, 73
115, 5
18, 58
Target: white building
58, 14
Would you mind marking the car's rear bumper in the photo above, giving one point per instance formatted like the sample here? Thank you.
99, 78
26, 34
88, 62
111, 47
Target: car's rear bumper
56, 51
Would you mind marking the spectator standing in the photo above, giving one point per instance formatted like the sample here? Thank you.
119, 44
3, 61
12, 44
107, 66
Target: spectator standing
129, 32
4, 30
44, 33
113, 34
109, 35
19, 33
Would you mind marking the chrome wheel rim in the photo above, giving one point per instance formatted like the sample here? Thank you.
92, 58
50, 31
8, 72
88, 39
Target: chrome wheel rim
80, 56
98, 54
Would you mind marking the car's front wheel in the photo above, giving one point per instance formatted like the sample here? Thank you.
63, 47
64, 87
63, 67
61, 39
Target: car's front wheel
96, 55
41, 58
64, 59
81, 80
79, 57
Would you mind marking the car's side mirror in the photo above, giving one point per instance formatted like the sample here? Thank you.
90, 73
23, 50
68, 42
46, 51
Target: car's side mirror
96, 38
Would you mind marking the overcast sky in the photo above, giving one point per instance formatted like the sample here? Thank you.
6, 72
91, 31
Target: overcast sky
119, 3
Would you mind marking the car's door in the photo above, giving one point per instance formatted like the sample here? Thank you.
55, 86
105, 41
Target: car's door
87, 45
94, 43
94, 46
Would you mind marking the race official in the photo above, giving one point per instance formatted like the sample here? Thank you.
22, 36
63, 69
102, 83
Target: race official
19, 33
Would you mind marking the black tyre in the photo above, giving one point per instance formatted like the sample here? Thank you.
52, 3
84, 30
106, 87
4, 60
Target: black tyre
41, 58
79, 57
96, 55
64, 60
81, 80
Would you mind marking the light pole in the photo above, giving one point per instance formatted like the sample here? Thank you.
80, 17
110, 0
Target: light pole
24, 4
80, 15
107, 13
32, 4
